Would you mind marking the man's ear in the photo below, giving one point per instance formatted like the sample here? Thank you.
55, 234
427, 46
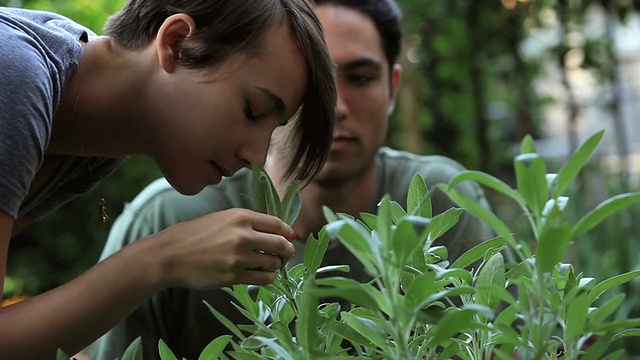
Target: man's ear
170, 37
396, 73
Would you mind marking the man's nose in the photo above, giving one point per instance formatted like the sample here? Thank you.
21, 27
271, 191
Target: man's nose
341, 106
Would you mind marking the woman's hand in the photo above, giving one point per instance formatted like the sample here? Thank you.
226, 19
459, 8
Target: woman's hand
221, 249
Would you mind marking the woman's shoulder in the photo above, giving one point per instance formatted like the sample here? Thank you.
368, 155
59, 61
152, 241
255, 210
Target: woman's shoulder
40, 42
39, 22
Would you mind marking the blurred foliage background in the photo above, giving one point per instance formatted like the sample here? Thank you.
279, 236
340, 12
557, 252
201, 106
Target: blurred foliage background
470, 91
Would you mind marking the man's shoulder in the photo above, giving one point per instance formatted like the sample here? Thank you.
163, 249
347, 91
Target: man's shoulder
434, 168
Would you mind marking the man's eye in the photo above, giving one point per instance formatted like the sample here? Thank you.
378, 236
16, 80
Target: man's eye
359, 79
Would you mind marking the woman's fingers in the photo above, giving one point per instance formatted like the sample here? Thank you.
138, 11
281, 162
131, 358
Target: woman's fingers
225, 248
272, 245
271, 224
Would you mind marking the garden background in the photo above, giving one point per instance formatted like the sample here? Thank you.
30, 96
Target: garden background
478, 76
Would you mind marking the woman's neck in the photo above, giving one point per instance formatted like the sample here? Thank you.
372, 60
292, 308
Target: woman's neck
100, 107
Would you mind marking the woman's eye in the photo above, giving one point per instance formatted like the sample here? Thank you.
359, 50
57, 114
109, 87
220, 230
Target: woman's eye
248, 112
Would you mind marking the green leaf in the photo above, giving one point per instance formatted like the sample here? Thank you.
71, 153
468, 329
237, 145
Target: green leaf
245, 355
422, 287
454, 321
418, 202
367, 328
165, 352
552, 244
434, 255
595, 351
491, 273
442, 222
489, 181
448, 293
508, 315
531, 174
347, 332
626, 333
272, 199
357, 240
527, 145
291, 204
361, 294
226, 322
215, 348
460, 275
370, 220
576, 313
506, 335
616, 355
277, 348
610, 283
134, 350
245, 297
604, 210
314, 251
260, 196
60, 355
572, 167
385, 221
329, 215
477, 252
306, 332
482, 213
496, 292
617, 325
332, 268
397, 212
601, 313
405, 242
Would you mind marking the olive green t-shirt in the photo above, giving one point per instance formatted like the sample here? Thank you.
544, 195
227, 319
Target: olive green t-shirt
179, 317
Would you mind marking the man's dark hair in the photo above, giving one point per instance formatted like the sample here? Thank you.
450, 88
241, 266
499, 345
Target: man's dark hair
386, 16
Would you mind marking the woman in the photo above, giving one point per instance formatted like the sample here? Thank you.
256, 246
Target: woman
199, 86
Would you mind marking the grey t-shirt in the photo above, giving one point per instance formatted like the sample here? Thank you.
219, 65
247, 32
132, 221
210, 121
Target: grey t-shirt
39, 54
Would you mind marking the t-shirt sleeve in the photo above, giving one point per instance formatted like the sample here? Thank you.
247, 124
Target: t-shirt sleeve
26, 110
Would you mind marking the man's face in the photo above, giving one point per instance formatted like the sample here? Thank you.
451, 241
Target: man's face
366, 93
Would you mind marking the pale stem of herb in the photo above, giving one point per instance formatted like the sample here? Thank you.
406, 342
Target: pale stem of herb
286, 281
390, 287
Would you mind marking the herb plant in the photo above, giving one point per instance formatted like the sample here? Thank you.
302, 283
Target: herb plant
418, 305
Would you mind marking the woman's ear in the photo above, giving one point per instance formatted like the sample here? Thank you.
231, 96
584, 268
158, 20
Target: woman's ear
170, 38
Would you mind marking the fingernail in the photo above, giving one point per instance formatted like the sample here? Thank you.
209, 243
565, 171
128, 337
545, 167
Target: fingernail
294, 236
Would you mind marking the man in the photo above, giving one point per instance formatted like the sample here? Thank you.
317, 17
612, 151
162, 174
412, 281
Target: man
364, 41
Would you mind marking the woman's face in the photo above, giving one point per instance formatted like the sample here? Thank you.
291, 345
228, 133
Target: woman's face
211, 123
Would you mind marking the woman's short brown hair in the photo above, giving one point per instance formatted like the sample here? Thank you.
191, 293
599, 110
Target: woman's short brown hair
230, 27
